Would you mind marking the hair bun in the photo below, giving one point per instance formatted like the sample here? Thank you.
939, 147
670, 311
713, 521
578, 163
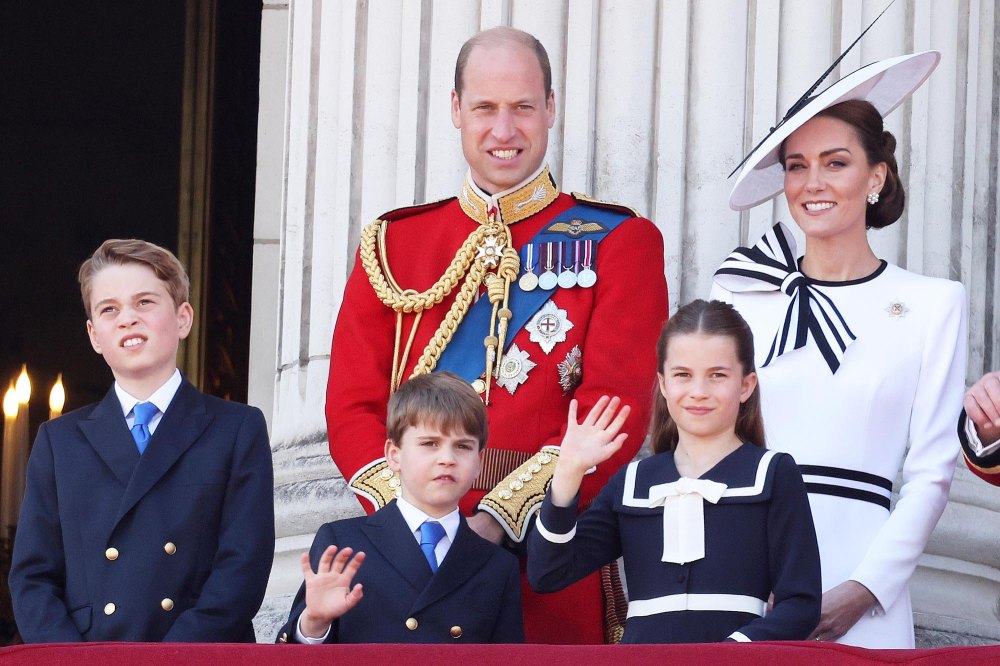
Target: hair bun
888, 142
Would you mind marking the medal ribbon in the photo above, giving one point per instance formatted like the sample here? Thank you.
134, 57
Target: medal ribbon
770, 265
566, 255
463, 354
529, 258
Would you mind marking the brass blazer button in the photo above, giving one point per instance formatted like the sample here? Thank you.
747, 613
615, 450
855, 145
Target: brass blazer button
109, 609
284, 637
111, 554
456, 632
411, 623
169, 548
167, 604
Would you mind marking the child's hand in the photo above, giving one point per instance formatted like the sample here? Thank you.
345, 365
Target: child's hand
587, 444
328, 591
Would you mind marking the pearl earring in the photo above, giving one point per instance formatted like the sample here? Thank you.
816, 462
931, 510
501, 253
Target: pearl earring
872, 198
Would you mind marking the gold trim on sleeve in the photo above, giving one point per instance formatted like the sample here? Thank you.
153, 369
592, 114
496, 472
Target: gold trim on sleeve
376, 483
985, 470
514, 500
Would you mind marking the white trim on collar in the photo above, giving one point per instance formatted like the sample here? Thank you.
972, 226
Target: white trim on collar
629, 498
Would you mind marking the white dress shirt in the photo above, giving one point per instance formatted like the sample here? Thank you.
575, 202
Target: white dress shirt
975, 443
161, 397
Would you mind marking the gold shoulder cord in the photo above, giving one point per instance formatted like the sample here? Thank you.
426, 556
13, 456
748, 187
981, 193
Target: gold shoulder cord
488, 246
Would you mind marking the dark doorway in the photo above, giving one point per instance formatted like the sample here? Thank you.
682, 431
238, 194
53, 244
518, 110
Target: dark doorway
97, 140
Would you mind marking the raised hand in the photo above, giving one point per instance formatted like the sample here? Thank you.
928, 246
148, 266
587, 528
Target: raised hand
587, 444
328, 591
982, 404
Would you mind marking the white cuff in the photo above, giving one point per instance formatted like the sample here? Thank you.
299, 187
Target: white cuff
975, 443
739, 637
306, 640
552, 536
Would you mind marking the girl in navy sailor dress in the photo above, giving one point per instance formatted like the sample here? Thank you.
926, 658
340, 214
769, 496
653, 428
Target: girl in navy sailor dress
711, 526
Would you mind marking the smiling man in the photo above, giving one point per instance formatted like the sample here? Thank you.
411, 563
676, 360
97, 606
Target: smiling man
533, 296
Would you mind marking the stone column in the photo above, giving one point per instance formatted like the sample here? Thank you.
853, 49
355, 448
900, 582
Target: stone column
657, 101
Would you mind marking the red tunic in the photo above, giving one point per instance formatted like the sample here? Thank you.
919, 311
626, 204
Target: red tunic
615, 325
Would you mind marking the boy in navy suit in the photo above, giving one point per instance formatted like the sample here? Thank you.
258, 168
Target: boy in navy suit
147, 516
418, 573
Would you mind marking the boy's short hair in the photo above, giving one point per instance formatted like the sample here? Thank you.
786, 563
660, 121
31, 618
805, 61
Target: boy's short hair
120, 252
442, 400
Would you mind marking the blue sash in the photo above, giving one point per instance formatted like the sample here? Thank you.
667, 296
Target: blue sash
465, 355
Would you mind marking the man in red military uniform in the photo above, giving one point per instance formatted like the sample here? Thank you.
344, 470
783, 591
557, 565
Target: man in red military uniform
979, 428
533, 296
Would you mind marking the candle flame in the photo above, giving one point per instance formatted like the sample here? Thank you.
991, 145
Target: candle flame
10, 402
23, 386
57, 396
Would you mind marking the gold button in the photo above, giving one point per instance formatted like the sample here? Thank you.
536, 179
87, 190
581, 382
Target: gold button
456, 632
479, 386
109, 609
169, 548
411, 623
111, 554
284, 637
167, 604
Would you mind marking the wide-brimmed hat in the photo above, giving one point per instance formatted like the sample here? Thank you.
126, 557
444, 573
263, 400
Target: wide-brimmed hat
885, 84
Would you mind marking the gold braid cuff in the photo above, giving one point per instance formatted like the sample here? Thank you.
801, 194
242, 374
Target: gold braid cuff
984, 470
376, 483
514, 500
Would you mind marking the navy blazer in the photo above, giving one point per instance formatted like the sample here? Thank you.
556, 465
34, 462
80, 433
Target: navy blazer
759, 540
475, 596
175, 545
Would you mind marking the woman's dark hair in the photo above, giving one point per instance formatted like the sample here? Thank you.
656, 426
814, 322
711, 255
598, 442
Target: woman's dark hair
879, 146
706, 318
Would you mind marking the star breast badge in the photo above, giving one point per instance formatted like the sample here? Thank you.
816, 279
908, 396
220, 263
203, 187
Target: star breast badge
897, 309
514, 368
571, 370
549, 326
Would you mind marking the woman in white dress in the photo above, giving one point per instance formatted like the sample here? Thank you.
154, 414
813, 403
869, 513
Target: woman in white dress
861, 363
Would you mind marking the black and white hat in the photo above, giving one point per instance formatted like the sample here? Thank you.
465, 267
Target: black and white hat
885, 84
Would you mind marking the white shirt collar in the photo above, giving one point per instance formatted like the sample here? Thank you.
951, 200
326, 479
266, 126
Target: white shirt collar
161, 397
414, 518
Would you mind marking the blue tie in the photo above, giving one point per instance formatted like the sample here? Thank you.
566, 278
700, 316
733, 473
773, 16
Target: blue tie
144, 413
430, 534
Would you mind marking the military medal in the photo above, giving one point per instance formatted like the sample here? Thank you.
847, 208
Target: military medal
514, 368
529, 280
490, 251
567, 278
549, 326
587, 277
548, 279
571, 370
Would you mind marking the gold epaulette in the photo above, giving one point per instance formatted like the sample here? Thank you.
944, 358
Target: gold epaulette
514, 500
610, 205
376, 483
407, 211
